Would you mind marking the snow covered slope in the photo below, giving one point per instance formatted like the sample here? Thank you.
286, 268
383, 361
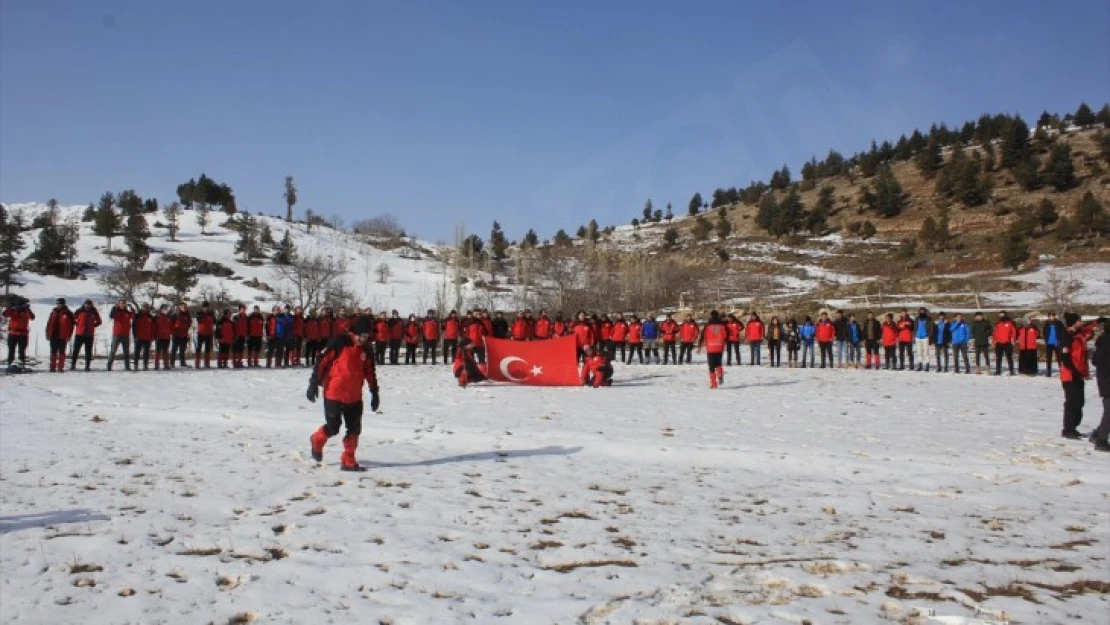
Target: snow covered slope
790, 496
415, 271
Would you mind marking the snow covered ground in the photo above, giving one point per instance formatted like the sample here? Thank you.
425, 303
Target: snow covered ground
787, 497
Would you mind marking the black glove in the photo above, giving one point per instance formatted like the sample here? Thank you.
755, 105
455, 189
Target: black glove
375, 401
313, 391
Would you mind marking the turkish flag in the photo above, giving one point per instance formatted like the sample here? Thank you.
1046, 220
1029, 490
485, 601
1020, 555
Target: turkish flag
550, 362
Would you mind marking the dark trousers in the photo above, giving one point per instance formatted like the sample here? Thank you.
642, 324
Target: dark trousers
429, 349
142, 352
80, 342
204, 346
480, 354
380, 350
686, 354
1050, 352
58, 351
635, 349
732, 347
669, 352
1074, 398
957, 352
890, 355
394, 351
1102, 434
905, 354
826, 352
162, 352
450, 347
311, 349
338, 413
410, 353
223, 355
1003, 350
178, 348
984, 352
275, 351
942, 355
1027, 361
619, 345
774, 352
17, 344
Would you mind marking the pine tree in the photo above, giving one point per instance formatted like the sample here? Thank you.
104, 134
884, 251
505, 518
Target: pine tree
657, 216
780, 180
135, 235
11, 244
129, 202
768, 212
1027, 172
290, 198
972, 187
1084, 116
670, 237
592, 232
867, 230
204, 217
1059, 172
1104, 115
89, 214
1104, 145
723, 226
929, 160
817, 220
1065, 230
172, 213
562, 239
1015, 250
50, 248
669, 215
695, 204
285, 253
928, 233
1046, 214
580, 233
265, 235
702, 228
790, 215
887, 199
1046, 120
249, 244
498, 243
106, 222
648, 209
531, 239
1015, 143
1090, 218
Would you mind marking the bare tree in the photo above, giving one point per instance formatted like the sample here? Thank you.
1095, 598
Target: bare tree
385, 226
172, 213
1059, 290
124, 280
314, 279
384, 273
203, 217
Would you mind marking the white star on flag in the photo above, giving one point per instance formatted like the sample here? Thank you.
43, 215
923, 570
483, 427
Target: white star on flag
537, 371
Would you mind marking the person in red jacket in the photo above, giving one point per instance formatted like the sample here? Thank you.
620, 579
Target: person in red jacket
635, 339
519, 330
689, 335
597, 369
341, 325
396, 337
182, 323
293, 354
464, 366
753, 334
346, 363
890, 343
59, 329
668, 332
206, 330
583, 335
239, 347
430, 327
19, 318
412, 339
85, 322
142, 329
327, 327
559, 327
619, 338
476, 332
163, 334
225, 339
826, 334
381, 337
605, 337
734, 327
1027, 336
122, 314
1074, 372
1004, 337
543, 326
256, 327
452, 330
311, 338
713, 339
905, 340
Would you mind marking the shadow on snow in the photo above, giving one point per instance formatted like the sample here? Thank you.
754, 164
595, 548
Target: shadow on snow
42, 519
550, 450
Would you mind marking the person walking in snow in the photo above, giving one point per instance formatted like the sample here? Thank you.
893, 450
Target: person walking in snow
345, 364
713, 339
59, 329
1101, 436
85, 322
1074, 371
19, 317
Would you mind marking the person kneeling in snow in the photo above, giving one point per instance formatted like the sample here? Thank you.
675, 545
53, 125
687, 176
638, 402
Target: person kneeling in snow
597, 371
466, 369
345, 363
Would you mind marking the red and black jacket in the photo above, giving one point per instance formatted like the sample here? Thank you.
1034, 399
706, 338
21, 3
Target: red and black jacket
59, 327
85, 321
311, 329
181, 324
412, 333
225, 331
142, 327
298, 326
19, 320
342, 369
206, 323
256, 325
163, 328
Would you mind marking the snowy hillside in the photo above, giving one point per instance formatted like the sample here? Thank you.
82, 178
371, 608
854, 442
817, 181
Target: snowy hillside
790, 496
415, 272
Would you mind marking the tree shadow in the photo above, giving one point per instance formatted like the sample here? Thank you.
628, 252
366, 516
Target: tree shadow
550, 450
42, 519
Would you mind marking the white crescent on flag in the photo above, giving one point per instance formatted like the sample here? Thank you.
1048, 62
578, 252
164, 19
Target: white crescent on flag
505, 362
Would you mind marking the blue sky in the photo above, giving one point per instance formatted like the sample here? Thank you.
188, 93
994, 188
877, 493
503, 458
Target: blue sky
536, 114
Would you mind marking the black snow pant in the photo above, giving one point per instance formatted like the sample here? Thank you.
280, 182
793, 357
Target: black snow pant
1074, 399
983, 352
1102, 434
450, 347
669, 351
381, 348
826, 352
311, 349
1003, 350
142, 352
905, 353
275, 352
774, 352
162, 351
394, 351
732, 347
224, 351
635, 349
17, 344
1050, 352
890, 354
480, 354
79, 342
619, 345
203, 350
410, 353
959, 351
686, 354
1027, 361
177, 350
337, 413
430, 348
58, 352
942, 355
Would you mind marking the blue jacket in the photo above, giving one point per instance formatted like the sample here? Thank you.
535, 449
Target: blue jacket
650, 330
961, 333
854, 332
922, 331
807, 331
283, 326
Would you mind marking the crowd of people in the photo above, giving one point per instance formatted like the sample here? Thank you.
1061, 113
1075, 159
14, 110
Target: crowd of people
291, 337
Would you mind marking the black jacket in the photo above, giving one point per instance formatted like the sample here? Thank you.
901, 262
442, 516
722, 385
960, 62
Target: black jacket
872, 330
1061, 333
841, 326
1102, 364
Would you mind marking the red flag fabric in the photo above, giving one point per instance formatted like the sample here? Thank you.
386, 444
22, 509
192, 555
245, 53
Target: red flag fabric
550, 362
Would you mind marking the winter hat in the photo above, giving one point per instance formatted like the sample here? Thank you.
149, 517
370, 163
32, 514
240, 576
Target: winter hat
361, 326
1071, 319
61, 301
88, 302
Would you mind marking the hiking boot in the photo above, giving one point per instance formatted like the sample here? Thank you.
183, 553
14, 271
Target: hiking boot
317, 440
